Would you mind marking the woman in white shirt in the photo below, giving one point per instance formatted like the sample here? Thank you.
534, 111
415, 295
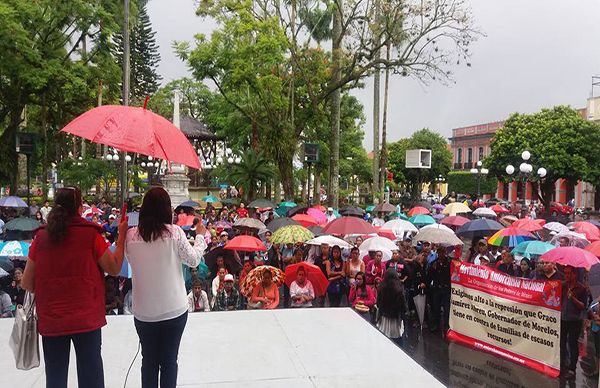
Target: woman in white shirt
155, 250
301, 290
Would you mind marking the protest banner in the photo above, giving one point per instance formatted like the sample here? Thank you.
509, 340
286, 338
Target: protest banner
515, 318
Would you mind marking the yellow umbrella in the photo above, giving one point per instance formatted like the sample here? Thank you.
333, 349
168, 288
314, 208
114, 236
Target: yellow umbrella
456, 208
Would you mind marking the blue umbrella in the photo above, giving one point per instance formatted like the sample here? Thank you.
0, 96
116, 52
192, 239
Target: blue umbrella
210, 198
12, 202
532, 248
479, 228
14, 249
422, 219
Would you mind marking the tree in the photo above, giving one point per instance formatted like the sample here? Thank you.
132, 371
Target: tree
249, 173
464, 182
196, 99
413, 178
559, 139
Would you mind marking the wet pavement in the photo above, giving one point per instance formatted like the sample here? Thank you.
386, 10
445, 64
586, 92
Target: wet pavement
458, 366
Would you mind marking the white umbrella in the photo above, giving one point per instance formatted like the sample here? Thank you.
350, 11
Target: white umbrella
249, 223
329, 240
400, 227
556, 227
438, 236
386, 253
485, 212
575, 239
438, 226
378, 243
420, 305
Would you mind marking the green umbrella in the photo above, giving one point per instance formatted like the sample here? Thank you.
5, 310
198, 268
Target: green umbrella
23, 224
284, 207
531, 249
291, 234
210, 198
370, 208
422, 219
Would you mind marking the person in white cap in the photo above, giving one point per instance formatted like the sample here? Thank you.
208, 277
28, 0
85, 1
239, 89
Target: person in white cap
330, 215
228, 298
223, 238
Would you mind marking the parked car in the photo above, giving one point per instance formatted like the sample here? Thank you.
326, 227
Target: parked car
557, 208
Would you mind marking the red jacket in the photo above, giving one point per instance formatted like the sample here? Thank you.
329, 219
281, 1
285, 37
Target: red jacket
69, 284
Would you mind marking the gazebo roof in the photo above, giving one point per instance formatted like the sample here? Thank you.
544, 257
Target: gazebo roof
194, 129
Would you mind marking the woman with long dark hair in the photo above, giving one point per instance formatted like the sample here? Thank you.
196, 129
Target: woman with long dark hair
335, 274
390, 303
66, 266
156, 249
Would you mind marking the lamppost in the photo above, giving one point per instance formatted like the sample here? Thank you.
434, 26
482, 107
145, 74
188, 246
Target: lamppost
479, 171
525, 169
153, 168
114, 157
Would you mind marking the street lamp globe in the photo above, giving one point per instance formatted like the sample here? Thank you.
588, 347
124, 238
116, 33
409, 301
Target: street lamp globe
238, 160
525, 155
156, 164
109, 157
485, 171
230, 160
115, 157
523, 168
127, 158
219, 159
474, 171
510, 169
143, 164
542, 172
479, 163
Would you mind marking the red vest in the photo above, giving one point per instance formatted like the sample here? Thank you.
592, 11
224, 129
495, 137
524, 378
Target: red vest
69, 284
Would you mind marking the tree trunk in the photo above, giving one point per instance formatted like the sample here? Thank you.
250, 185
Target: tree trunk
254, 138
336, 98
8, 142
286, 173
383, 156
277, 189
376, 113
317, 187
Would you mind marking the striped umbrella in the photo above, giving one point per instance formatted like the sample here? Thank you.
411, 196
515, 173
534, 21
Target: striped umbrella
291, 234
510, 237
255, 277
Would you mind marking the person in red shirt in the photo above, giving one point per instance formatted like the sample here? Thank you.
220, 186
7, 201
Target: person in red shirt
66, 266
375, 269
242, 211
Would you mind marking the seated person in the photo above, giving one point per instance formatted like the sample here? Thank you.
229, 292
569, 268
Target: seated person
228, 298
197, 298
301, 290
266, 294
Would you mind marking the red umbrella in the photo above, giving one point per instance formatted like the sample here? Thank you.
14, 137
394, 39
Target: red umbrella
418, 210
246, 243
573, 256
348, 225
527, 224
590, 230
313, 273
594, 248
134, 129
454, 221
387, 233
499, 209
305, 220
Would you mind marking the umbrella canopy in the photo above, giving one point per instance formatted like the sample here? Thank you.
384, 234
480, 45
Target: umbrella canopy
255, 277
454, 221
591, 231
12, 201
387, 233
210, 199
485, 212
422, 219
527, 224
281, 222
91, 211
420, 301
284, 207
556, 227
305, 220
316, 230
438, 216
291, 234
455, 208
438, 236
575, 239
24, 224
313, 273
531, 249
14, 249
186, 220
498, 209
231, 201
245, 243
261, 204
6, 265
134, 129
248, 222
3, 273
378, 243
508, 220
318, 215
352, 211
438, 206
189, 203
594, 222
222, 225
348, 225
594, 248
329, 240
296, 210
510, 237
320, 207
232, 264
573, 256
418, 210
438, 226
385, 208
479, 228
426, 204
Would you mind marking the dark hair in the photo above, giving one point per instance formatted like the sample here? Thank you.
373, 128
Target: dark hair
526, 260
364, 283
155, 214
301, 268
298, 250
197, 283
66, 205
390, 298
354, 249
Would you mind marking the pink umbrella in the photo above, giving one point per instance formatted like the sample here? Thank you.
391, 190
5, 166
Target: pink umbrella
591, 231
572, 256
318, 215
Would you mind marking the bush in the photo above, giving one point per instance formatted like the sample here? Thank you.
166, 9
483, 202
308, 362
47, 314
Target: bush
464, 182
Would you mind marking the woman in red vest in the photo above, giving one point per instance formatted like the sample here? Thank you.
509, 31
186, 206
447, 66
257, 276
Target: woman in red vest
66, 266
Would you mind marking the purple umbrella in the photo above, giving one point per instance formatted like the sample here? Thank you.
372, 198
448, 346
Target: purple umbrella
12, 202
438, 206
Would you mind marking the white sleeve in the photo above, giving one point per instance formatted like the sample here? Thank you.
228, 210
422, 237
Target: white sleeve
293, 289
188, 254
311, 290
205, 301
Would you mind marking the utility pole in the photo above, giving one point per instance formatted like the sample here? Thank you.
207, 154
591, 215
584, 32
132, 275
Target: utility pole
124, 180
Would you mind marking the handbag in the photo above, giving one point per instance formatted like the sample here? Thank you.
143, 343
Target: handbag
24, 340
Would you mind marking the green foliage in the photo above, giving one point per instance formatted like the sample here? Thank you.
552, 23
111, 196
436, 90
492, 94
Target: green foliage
196, 99
86, 173
253, 170
464, 182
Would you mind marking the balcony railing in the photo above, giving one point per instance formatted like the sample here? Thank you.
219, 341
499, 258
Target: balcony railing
468, 165
458, 166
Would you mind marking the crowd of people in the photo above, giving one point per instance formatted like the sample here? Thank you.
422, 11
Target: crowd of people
380, 290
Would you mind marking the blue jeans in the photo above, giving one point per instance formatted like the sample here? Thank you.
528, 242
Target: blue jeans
160, 346
90, 372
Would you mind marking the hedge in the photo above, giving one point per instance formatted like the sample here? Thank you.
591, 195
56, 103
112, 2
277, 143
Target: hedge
464, 182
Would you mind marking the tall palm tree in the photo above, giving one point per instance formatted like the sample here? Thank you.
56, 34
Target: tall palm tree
252, 170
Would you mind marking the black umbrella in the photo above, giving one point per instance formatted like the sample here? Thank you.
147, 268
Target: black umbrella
232, 264
479, 228
297, 210
385, 208
316, 230
22, 223
6, 265
261, 204
280, 222
352, 211
190, 203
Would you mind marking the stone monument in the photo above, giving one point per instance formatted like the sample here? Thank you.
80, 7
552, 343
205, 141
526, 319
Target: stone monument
175, 179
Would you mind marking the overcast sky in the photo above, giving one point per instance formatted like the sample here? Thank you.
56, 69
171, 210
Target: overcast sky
536, 53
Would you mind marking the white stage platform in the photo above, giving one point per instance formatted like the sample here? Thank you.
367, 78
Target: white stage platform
281, 348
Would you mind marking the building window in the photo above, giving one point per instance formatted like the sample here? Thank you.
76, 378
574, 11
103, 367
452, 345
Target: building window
459, 156
480, 153
469, 155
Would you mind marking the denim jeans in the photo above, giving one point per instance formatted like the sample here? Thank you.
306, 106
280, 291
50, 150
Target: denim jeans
160, 346
90, 372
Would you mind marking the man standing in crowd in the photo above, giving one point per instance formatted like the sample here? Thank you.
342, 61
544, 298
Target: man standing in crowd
574, 296
439, 278
482, 253
45, 210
